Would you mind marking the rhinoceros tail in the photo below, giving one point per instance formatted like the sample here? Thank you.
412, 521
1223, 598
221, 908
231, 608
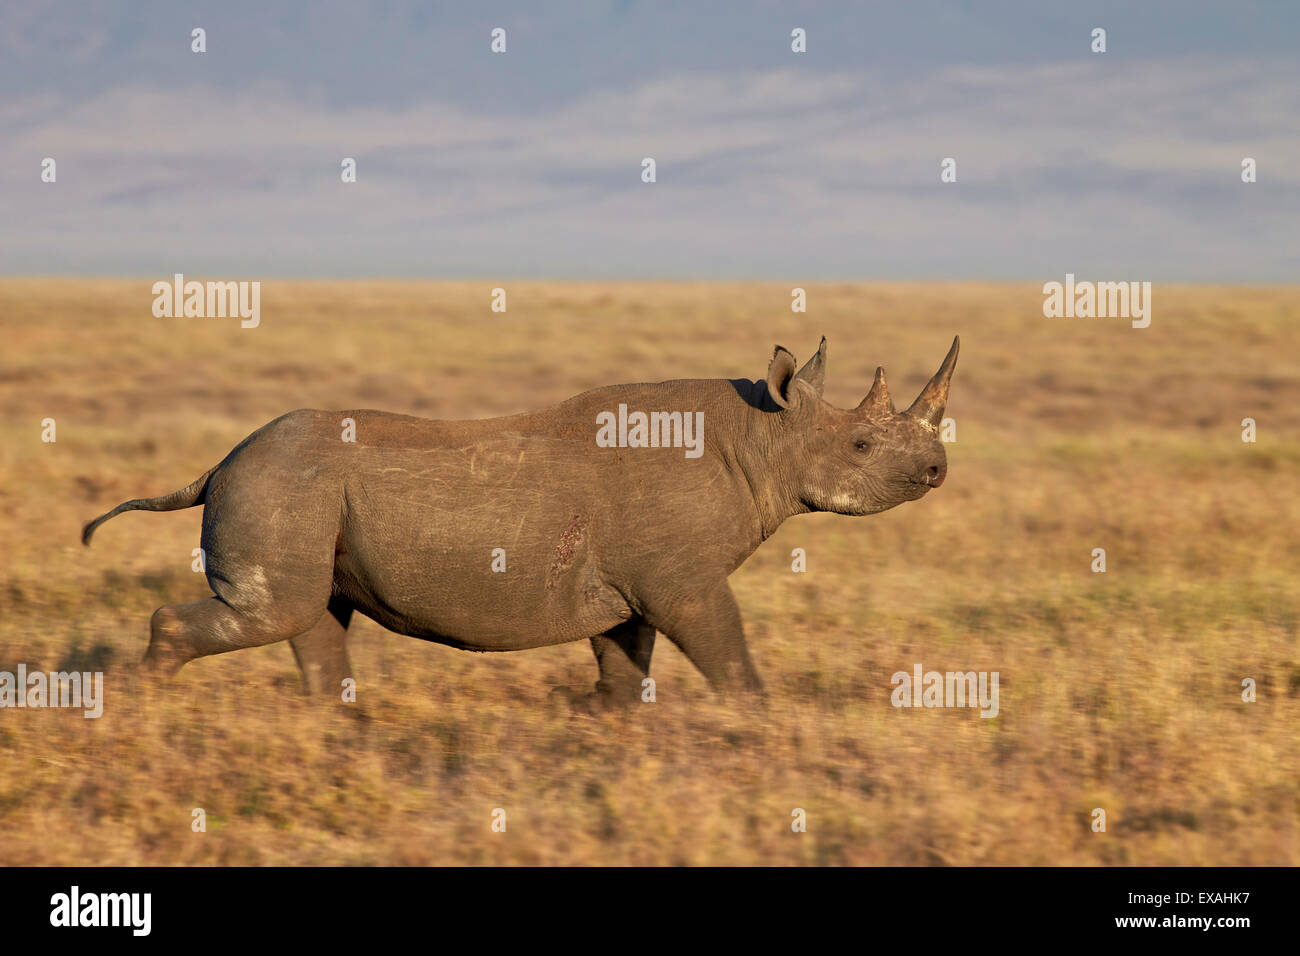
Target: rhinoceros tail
189, 496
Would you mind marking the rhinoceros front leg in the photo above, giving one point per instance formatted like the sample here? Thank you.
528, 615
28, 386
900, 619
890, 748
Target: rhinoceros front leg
322, 651
705, 624
623, 654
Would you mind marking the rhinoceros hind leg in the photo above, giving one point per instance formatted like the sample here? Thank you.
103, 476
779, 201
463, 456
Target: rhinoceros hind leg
322, 651
180, 633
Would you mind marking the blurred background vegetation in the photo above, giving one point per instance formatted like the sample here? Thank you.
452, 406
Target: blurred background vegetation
1119, 690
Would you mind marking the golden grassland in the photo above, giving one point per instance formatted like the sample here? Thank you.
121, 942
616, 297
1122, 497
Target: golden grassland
1119, 690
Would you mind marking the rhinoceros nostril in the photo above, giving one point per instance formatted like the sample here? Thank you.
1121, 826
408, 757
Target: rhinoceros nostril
934, 475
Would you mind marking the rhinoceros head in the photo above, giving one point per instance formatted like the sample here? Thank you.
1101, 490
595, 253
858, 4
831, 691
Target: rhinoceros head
857, 461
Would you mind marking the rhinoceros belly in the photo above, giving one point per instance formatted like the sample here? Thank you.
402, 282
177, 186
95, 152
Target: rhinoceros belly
479, 558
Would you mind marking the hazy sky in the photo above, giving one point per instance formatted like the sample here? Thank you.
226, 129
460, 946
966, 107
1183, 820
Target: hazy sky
770, 164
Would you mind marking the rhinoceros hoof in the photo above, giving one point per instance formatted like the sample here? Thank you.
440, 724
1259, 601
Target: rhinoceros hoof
587, 703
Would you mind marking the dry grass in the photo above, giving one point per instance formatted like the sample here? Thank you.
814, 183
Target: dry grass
1119, 690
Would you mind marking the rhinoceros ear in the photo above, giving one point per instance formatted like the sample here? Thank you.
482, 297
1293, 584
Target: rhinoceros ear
780, 377
814, 370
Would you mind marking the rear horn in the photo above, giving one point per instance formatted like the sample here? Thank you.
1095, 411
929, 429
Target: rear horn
877, 401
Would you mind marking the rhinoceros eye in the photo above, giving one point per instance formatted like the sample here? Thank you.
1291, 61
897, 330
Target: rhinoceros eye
862, 445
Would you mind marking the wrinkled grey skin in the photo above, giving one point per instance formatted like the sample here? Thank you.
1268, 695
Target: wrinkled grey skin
603, 544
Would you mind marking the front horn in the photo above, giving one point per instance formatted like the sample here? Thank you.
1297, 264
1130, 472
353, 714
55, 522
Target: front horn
929, 405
